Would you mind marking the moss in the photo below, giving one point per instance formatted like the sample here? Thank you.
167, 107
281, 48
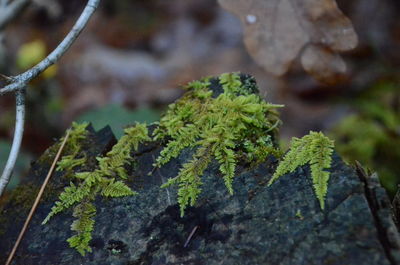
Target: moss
107, 180
315, 149
221, 119
48, 156
233, 125
230, 123
76, 141
20, 201
371, 133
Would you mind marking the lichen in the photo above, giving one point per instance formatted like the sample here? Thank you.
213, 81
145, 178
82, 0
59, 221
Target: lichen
234, 125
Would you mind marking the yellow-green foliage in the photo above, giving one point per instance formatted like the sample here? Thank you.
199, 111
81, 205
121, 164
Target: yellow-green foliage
105, 180
228, 124
83, 226
236, 124
73, 146
371, 134
315, 149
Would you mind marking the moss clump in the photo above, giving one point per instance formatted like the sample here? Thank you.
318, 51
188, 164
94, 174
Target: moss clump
371, 133
73, 148
106, 180
234, 125
315, 149
228, 123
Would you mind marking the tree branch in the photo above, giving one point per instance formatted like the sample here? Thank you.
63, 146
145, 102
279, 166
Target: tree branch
9, 11
18, 83
23, 79
18, 133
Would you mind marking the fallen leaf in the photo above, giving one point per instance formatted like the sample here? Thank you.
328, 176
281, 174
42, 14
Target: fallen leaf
326, 66
277, 31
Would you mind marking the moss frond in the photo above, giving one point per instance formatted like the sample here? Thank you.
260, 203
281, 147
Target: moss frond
105, 180
69, 162
315, 149
216, 127
321, 149
189, 178
73, 146
83, 226
117, 189
231, 83
70, 196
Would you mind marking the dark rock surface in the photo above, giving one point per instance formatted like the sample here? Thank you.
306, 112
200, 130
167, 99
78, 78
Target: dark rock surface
282, 224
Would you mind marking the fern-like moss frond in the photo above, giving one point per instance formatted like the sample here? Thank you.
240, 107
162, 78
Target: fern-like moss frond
69, 162
231, 83
219, 124
73, 147
83, 226
321, 149
105, 180
315, 149
70, 196
117, 189
189, 178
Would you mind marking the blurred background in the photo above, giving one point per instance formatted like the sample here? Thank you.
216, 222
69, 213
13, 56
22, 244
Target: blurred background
132, 57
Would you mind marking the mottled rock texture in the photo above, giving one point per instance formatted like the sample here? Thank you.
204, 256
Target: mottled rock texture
281, 224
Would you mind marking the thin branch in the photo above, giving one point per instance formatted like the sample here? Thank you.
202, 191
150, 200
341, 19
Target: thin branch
38, 197
3, 3
23, 79
18, 133
19, 83
6, 78
10, 11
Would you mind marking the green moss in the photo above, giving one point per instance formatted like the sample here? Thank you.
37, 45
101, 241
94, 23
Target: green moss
234, 125
106, 180
371, 133
314, 149
220, 119
19, 202
48, 156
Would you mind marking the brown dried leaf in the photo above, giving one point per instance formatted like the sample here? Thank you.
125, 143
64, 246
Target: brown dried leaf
325, 65
276, 31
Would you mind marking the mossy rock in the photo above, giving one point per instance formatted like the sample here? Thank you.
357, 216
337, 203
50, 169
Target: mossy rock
280, 224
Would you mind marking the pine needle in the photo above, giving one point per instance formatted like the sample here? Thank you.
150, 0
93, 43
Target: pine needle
38, 197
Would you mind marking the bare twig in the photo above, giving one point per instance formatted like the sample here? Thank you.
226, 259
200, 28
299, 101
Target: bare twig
18, 133
3, 3
6, 78
38, 197
19, 82
11, 10
23, 79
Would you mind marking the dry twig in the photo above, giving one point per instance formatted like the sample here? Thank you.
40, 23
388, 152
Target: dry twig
38, 197
19, 82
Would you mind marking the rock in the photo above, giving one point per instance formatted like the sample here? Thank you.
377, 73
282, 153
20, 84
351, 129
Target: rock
280, 224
